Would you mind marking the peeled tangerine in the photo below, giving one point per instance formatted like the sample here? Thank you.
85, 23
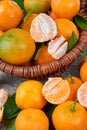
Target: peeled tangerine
56, 90
3, 99
43, 28
82, 94
57, 47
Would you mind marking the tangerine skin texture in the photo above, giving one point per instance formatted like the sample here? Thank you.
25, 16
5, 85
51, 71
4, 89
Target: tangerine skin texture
65, 8
64, 118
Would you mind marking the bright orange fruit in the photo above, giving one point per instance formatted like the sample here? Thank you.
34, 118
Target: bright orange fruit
65, 8
32, 119
10, 14
75, 83
29, 95
65, 27
69, 116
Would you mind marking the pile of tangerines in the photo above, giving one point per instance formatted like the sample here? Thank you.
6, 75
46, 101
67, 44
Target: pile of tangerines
36, 25
50, 24
69, 95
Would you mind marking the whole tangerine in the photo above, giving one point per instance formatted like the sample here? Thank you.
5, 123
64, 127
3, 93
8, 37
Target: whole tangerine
65, 8
10, 14
32, 119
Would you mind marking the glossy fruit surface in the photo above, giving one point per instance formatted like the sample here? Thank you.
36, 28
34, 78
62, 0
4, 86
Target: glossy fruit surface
65, 27
16, 46
42, 6
65, 8
32, 119
69, 116
10, 14
29, 95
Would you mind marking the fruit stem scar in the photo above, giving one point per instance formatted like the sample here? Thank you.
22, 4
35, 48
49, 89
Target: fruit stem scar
73, 106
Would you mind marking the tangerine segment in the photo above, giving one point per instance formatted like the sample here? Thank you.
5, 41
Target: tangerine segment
29, 95
10, 14
82, 94
65, 8
65, 117
65, 27
56, 90
32, 119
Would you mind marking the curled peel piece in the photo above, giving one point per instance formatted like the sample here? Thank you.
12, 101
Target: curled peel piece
56, 90
58, 47
3, 97
43, 28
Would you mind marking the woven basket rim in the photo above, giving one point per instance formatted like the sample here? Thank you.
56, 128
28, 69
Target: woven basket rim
56, 67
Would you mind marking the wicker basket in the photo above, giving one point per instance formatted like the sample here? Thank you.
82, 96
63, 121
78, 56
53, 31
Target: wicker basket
57, 67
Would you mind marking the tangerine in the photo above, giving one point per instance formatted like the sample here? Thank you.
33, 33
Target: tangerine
43, 56
83, 71
32, 119
75, 83
69, 116
29, 95
16, 46
26, 25
65, 8
65, 27
41, 6
10, 14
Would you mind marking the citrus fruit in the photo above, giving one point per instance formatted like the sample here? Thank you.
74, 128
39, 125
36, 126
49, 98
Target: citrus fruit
10, 14
82, 94
41, 6
43, 56
56, 90
66, 27
69, 116
75, 83
83, 71
32, 119
65, 8
26, 25
29, 94
16, 46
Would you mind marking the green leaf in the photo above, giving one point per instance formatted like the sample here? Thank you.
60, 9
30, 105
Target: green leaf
10, 125
80, 22
38, 47
29, 12
72, 42
10, 108
21, 4
83, 54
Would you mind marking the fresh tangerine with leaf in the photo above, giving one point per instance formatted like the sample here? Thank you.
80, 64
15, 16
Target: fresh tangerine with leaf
65, 27
69, 115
